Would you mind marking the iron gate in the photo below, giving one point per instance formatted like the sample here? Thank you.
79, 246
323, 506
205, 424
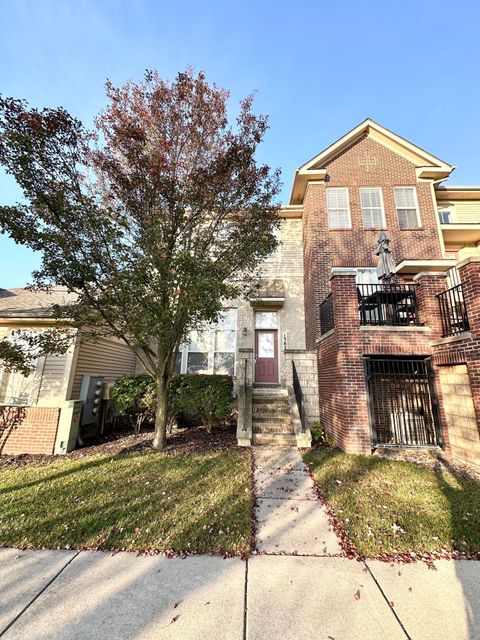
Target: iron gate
403, 404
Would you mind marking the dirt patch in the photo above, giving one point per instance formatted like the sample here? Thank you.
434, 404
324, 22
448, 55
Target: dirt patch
179, 442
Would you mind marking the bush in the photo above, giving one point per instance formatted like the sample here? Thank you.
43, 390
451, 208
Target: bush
207, 398
134, 396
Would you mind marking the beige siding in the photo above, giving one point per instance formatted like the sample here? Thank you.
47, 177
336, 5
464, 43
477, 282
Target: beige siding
464, 211
52, 377
104, 358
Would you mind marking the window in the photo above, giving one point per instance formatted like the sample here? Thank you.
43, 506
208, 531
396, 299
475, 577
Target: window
266, 320
15, 388
225, 338
211, 350
198, 350
338, 209
445, 216
406, 204
372, 207
275, 254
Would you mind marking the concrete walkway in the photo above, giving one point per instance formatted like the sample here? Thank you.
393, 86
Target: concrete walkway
62, 595
297, 587
290, 518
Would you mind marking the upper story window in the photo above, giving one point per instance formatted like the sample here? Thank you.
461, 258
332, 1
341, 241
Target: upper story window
372, 207
275, 254
445, 216
338, 208
407, 207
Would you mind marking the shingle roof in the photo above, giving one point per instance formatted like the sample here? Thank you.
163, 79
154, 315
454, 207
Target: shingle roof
22, 303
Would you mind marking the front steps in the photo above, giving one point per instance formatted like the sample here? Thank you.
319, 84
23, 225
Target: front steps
272, 422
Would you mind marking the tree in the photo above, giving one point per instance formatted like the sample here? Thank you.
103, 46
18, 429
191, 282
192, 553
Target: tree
152, 218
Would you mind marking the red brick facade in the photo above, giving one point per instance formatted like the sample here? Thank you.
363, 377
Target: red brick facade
28, 429
342, 351
355, 247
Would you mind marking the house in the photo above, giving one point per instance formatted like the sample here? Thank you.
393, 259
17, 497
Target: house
398, 361
379, 362
40, 413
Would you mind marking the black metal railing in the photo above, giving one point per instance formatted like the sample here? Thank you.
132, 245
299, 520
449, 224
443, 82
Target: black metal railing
453, 311
297, 389
326, 315
245, 401
403, 403
387, 304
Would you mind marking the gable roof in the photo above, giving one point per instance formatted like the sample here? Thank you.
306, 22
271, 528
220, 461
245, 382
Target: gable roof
23, 303
427, 165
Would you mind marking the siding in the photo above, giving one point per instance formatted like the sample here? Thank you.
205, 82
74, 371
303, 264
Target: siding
106, 358
465, 211
53, 377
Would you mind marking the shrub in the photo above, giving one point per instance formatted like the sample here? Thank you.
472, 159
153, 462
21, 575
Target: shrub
134, 396
207, 398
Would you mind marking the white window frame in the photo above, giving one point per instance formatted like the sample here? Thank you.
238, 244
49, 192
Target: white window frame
5, 376
211, 336
276, 253
381, 208
447, 211
417, 209
349, 217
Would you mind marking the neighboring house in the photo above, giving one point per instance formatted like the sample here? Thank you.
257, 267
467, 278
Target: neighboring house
39, 413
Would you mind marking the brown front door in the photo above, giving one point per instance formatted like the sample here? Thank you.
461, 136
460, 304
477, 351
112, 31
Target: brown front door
266, 355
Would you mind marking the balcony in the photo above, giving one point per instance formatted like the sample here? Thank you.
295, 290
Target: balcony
387, 304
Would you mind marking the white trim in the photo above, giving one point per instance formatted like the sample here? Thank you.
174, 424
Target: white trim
349, 215
384, 223
408, 186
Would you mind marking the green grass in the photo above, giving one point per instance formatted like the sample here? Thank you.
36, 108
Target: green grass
393, 507
139, 501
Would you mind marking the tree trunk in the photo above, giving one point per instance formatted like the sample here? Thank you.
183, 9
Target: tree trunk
161, 415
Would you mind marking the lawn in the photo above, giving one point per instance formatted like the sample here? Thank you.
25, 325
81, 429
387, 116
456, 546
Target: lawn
396, 507
139, 501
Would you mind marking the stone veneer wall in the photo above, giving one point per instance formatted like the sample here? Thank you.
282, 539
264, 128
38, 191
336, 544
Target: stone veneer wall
306, 365
460, 413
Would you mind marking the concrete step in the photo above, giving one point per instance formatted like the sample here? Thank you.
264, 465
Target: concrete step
275, 439
272, 392
268, 400
271, 408
273, 418
272, 428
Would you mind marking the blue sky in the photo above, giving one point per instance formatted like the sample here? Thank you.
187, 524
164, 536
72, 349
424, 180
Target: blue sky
319, 69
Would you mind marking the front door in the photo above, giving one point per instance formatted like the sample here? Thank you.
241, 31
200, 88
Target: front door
266, 355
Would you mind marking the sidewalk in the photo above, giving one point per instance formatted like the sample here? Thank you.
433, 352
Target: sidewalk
306, 590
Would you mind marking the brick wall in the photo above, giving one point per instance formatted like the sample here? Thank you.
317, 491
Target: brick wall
341, 353
324, 247
28, 429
